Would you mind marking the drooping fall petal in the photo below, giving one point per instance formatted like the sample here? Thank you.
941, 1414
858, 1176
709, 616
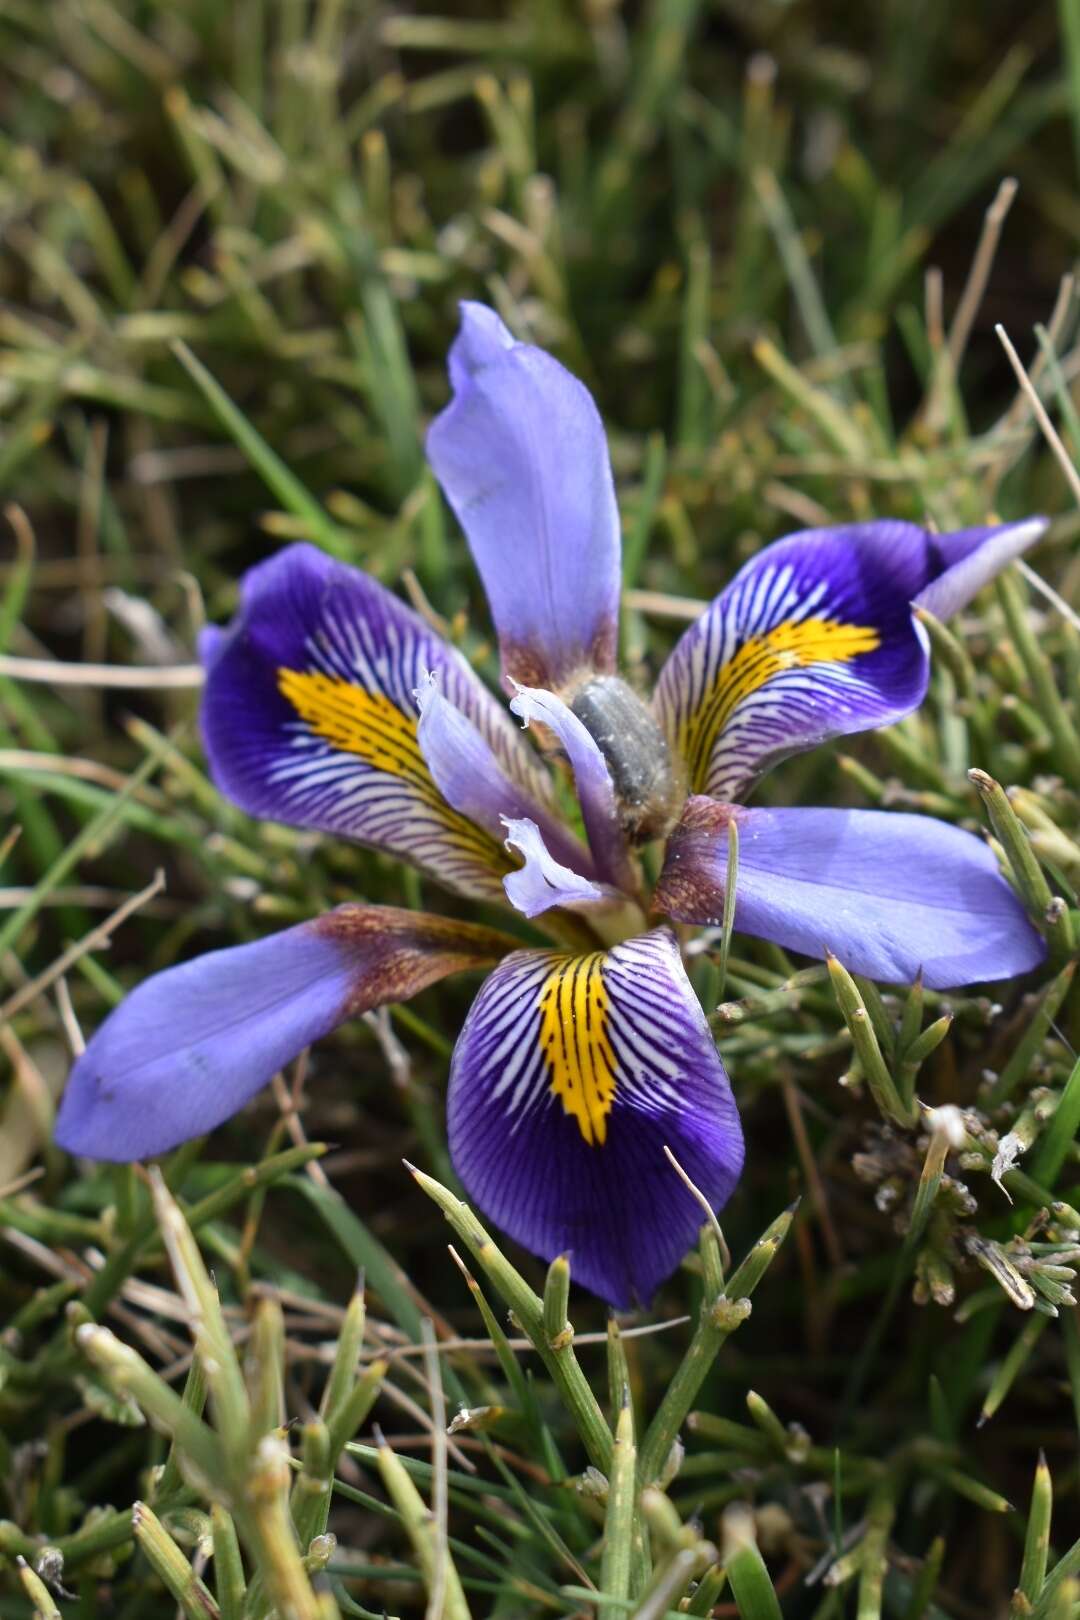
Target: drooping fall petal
815, 638
190, 1046
568, 1079
309, 718
889, 894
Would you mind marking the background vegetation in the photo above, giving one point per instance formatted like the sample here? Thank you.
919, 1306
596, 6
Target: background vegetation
751, 227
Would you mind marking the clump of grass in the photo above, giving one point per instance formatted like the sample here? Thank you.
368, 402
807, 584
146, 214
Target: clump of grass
234, 239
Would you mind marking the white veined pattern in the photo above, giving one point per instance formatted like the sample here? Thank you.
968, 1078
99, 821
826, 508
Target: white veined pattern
387, 650
652, 1032
609, 1197
351, 760
771, 667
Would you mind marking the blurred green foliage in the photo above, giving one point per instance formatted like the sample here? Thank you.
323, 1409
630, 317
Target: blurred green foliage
233, 239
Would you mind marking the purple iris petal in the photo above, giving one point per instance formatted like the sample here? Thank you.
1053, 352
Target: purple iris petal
814, 638
521, 455
568, 1079
482, 340
208, 643
190, 1046
972, 558
543, 881
595, 789
309, 717
889, 894
470, 778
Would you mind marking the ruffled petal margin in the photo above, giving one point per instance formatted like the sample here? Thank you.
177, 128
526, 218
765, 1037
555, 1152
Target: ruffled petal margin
815, 638
568, 1079
889, 894
543, 882
309, 717
190, 1046
521, 455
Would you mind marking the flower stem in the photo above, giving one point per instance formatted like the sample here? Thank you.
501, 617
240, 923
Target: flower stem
719, 1318
562, 1364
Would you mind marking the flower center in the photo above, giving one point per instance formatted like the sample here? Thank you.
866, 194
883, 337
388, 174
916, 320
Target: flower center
648, 784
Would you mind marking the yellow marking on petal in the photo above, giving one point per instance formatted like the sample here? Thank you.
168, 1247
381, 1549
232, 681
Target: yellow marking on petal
791, 645
574, 1040
367, 724
357, 721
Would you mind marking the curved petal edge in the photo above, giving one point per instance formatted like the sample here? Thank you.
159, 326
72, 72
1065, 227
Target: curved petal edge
543, 882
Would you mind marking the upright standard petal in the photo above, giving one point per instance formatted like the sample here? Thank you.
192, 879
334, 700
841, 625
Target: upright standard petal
191, 1045
814, 638
889, 894
521, 456
309, 717
568, 1079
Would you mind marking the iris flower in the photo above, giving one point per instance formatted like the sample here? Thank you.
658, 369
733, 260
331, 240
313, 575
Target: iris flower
330, 705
